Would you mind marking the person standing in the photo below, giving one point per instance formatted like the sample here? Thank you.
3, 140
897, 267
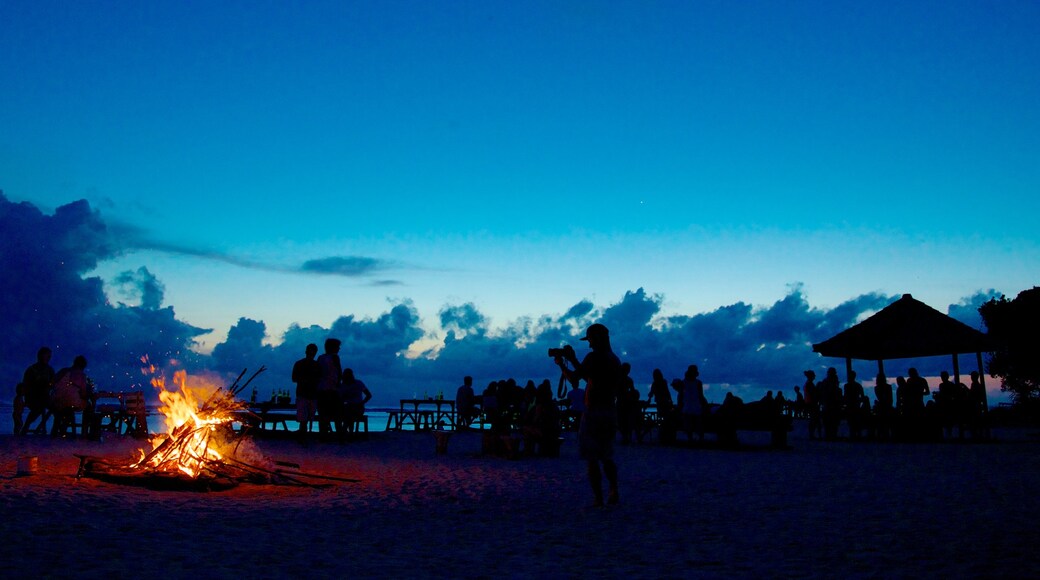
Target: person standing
693, 404
330, 406
464, 402
601, 370
37, 381
811, 398
662, 397
306, 373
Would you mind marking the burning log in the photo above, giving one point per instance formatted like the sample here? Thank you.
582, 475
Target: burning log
199, 451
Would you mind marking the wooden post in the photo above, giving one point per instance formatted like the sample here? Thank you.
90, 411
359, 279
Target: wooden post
982, 375
881, 367
956, 369
848, 369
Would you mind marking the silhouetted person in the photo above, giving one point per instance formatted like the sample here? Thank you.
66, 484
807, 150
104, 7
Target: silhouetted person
71, 393
811, 395
628, 406
330, 407
830, 403
541, 423
464, 402
693, 403
853, 402
662, 397
37, 381
883, 410
947, 403
978, 407
306, 373
914, 411
601, 370
355, 395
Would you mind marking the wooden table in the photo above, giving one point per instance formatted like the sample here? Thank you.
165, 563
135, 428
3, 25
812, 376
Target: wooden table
423, 414
262, 414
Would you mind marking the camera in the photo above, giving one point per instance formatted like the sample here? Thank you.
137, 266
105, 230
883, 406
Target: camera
561, 352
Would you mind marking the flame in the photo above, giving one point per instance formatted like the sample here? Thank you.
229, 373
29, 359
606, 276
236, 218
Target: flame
193, 438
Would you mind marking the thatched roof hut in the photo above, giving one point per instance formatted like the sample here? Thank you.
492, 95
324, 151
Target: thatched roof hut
907, 328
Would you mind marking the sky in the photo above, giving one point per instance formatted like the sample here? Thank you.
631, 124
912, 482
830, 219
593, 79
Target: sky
454, 179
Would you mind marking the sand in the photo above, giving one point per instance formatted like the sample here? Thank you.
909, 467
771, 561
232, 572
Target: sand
821, 509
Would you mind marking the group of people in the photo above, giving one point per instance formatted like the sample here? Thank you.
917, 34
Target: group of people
324, 389
904, 414
59, 395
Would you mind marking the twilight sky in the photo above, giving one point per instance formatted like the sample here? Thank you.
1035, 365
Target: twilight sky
294, 164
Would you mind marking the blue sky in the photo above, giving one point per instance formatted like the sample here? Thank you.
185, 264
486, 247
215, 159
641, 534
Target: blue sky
294, 163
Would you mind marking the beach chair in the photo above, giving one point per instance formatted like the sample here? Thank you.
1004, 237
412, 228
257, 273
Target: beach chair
108, 413
135, 414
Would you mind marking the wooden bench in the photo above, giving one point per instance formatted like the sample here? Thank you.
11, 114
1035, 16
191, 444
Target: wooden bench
725, 423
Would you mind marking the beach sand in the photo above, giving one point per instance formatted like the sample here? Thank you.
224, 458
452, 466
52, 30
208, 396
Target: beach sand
835, 509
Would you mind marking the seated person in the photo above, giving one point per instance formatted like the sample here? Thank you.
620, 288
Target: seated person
541, 424
355, 395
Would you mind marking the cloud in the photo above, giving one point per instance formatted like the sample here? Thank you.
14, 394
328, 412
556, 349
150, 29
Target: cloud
141, 286
350, 266
134, 238
47, 299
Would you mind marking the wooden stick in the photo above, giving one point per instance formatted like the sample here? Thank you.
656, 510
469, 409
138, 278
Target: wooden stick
317, 476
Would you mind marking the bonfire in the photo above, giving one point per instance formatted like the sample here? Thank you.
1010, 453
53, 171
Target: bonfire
199, 450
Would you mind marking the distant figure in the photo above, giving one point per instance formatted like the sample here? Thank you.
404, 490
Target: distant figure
662, 397
978, 407
916, 390
883, 411
782, 403
541, 423
18, 407
306, 373
330, 407
947, 403
693, 403
37, 381
355, 395
799, 403
853, 401
830, 403
71, 393
629, 409
601, 370
812, 405
464, 402
915, 422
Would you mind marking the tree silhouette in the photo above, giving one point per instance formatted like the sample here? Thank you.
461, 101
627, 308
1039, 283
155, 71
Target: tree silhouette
1014, 328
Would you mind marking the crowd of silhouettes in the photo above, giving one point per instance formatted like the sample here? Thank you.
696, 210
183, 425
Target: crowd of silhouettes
910, 412
56, 397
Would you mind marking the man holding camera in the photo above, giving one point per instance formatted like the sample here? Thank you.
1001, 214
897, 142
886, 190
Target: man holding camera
601, 370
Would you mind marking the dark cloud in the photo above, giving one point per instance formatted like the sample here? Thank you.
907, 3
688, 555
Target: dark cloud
141, 286
134, 238
351, 266
46, 298
967, 310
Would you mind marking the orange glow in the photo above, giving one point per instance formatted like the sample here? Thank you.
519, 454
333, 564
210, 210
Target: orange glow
197, 415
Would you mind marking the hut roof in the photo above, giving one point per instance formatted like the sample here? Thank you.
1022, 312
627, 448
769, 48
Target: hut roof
904, 329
